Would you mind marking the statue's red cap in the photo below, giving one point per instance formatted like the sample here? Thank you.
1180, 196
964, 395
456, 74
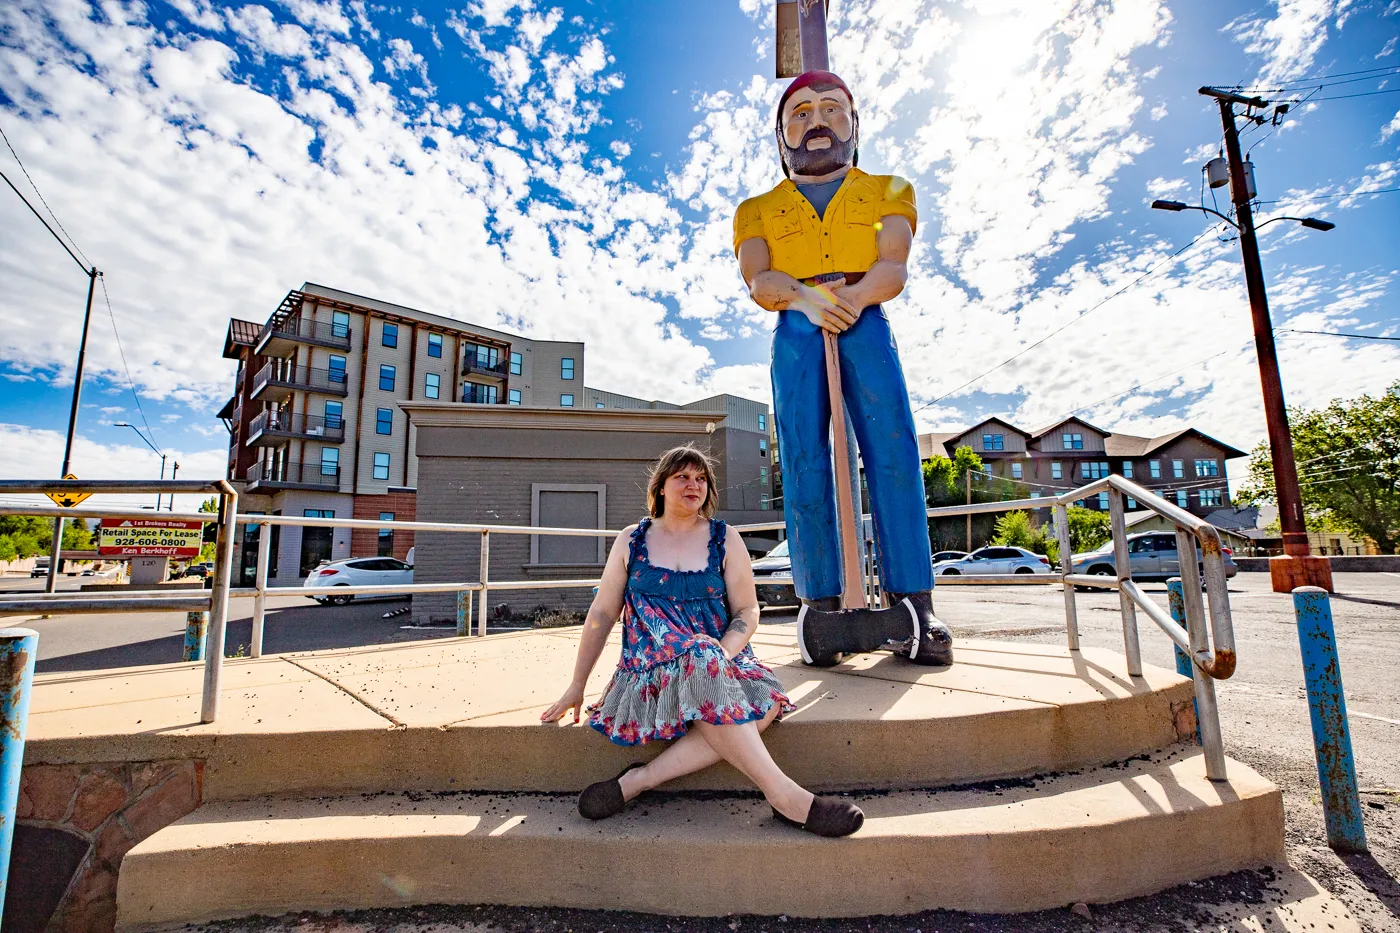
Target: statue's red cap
808, 78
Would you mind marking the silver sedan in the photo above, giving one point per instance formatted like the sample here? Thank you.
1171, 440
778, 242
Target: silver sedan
994, 558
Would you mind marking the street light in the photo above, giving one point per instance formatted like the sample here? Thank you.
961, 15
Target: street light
123, 424
1312, 223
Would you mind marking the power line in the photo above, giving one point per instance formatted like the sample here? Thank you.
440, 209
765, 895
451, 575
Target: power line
1328, 197
130, 384
1301, 83
41, 198
1080, 316
1328, 333
1391, 90
45, 223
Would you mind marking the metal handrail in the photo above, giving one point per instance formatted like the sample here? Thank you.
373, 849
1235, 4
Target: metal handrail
330, 428
215, 601
313, 378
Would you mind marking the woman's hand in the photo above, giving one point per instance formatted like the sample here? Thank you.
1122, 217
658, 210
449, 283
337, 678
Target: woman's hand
571, 700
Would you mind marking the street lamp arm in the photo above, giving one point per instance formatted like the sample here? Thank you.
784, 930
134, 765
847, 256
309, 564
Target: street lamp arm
1312, 223
1175, 206
123, 424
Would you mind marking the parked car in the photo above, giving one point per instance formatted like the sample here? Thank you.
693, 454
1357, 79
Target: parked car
40, 570
358, 571
776, 562
197, 570
994, 558
1151, 557
942, 556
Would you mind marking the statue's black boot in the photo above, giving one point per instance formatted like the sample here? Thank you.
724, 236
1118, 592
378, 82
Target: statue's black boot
933, 642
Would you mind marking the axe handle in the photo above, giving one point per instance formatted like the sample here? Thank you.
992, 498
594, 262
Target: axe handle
853, 595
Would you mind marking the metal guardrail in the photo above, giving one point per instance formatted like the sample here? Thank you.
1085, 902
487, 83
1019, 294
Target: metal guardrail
1210, 647
215, 600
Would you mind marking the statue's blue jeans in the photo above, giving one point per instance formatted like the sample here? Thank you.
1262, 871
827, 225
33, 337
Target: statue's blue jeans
872, 384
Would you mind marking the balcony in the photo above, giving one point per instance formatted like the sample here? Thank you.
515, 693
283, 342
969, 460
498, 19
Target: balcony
276, 381
483, 395
275, 428
269, 476
474, 365
278, 338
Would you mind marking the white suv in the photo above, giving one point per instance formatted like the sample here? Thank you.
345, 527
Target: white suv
358, 571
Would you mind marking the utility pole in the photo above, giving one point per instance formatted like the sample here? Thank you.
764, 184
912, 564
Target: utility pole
1296, 566
968, 483
51, 584
170, 507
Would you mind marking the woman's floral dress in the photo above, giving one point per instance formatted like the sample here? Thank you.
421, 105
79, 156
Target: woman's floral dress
672, 670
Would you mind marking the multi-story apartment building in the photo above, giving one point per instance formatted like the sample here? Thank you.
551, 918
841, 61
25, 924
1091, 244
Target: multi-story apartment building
1185, 467
742, 445
315, 427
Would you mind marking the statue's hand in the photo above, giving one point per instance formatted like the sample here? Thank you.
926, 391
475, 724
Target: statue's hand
825, 308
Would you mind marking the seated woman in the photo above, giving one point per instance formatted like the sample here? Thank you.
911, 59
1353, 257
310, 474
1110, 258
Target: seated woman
683, 585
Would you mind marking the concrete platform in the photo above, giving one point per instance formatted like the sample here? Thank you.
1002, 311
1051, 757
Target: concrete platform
459, 714
1099, 836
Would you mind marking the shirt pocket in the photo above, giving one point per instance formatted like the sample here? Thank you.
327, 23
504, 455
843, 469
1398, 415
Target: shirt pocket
860, 208
783, 222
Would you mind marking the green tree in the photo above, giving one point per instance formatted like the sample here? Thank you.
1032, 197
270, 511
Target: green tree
25, 535
1348, 456
945, 483
1087, 528
1015, 529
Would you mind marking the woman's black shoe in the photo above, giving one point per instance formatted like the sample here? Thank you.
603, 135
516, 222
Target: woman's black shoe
829, 817
604, 799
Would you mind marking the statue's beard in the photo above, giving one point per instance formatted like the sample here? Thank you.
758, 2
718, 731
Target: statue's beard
813, 162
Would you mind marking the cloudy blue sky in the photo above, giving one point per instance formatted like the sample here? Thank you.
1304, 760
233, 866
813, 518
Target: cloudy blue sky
570, 170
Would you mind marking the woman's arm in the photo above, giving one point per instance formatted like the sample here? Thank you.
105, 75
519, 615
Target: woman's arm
743, 599
602, 615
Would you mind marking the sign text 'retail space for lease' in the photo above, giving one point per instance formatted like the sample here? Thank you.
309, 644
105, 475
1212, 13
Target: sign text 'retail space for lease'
143, 537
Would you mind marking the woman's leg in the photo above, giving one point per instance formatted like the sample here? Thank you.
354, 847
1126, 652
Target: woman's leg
743, 748
686, 755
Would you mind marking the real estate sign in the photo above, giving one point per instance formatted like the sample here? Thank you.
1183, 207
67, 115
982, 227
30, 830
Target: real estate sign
146, 537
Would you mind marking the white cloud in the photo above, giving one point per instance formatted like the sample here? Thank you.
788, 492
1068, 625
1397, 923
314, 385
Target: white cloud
1159, 186
1289, 41
1391, 128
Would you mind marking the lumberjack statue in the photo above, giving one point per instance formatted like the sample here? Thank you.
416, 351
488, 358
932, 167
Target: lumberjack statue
823, 249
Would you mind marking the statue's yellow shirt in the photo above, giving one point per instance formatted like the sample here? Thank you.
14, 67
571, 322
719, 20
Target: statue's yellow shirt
803, 245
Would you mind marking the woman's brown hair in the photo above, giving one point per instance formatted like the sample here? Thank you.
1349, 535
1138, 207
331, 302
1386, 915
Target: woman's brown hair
671, 463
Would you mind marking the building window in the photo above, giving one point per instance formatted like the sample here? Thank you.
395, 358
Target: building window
381, 466
1132, 503
1154, 468
330, 461
386, 536
517, 363
763, 422
335, 373
316, 513
513, 397
599, 405
566, 368
435, 345
987, 470
1093, 469
1210, 498
482, 357
993, 441
334, 416
763, 474
1072, 441
1103, 502
340, 324
1207, 468
1016, 469
566, 400
432, 385
763, 446
763, 500
1128, 469
384, 421
1178, 469
386, 377
390, 337
1181, 498
480, 394
1056, 470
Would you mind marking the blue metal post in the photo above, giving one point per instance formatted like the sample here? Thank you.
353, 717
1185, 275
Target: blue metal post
18, 647
1176, 601
1327, 704
464, 612
196, 631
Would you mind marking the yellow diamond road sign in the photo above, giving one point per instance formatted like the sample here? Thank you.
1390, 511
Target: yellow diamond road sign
68, 499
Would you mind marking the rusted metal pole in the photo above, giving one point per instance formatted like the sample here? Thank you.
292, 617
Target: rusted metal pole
196, 631
811, 35
968, 483
1132, 650
1066, 568
1327, 706
1290, 500
18, 648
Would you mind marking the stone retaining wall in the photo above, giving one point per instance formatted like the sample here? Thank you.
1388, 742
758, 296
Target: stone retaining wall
1353, 563
74, 824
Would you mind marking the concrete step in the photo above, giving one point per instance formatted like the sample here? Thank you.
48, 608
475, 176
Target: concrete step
1097, 836
463, 714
